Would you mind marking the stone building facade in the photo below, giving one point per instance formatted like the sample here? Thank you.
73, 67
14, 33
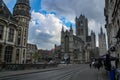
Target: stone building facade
78, 48
45, 56
31, 50
14, 32
102, 43
112, 11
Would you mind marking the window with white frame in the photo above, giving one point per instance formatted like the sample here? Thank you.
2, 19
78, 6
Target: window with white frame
8, 54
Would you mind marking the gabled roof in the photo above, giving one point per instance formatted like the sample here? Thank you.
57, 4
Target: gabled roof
5, 12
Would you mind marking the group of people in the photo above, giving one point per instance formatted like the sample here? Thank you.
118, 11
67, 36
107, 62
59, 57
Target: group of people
96, 64
104, 63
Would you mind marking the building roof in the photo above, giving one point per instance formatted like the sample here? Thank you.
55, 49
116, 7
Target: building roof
26, 2
32, 46
5, 12
77, 38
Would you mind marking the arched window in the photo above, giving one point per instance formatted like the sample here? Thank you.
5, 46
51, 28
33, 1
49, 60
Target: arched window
1, 32
19, 36
66, 43
0, 52
11, 34
17, 54
8, 54
75, 54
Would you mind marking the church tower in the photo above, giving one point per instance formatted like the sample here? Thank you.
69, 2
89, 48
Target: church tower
22, 14
82, 27
102, 43
93, 40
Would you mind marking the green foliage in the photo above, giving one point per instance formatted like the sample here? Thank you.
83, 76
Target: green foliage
36, 56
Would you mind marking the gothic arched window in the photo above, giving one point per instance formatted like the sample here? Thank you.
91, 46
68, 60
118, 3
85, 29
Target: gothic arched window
0, 52
1, 32
66, 43
8, 54
11, 34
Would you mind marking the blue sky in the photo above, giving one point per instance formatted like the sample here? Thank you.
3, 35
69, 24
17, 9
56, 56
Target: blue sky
48, 16
35, 4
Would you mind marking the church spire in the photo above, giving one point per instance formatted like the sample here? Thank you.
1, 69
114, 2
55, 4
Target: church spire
71, 27
101, 30
62, 28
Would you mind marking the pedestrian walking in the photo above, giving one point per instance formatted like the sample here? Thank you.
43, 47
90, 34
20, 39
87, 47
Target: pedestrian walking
90, 65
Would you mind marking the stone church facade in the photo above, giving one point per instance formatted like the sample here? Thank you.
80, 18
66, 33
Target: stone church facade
14, 32
102, 43
81, 47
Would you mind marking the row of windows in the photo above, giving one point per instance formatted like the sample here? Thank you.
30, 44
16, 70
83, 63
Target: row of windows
10, 36
8, 54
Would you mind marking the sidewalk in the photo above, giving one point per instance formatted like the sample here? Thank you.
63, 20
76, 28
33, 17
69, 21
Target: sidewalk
22, 72
102, 75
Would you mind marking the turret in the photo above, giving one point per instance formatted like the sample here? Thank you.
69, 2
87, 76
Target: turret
62, 29
71, 30
22, 9
22, 14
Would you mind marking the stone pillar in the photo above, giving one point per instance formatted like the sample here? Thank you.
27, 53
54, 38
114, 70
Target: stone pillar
20, 56
14, 55
3, 53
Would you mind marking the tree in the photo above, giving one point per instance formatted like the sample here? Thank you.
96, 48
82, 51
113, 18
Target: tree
35, 57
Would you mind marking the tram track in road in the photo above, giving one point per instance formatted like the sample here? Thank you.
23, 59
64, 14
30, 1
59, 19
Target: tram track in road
61, 74
70, 75
65, 76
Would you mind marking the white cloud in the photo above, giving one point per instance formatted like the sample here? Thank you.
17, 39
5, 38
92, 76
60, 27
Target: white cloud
95, 26
44, 30
92, 9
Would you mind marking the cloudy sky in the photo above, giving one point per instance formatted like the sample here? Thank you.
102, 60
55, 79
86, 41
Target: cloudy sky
48, 16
